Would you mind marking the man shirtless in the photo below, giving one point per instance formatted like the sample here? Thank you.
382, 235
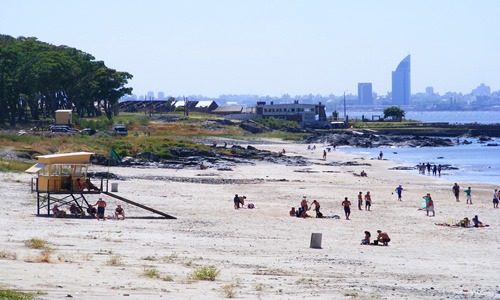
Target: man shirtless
347, 208
383, 237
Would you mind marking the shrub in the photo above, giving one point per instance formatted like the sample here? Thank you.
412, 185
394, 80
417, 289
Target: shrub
152, 273
114, 261
14, 295
205, 273
35, 243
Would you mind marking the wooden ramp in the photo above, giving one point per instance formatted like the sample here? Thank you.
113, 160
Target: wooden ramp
139, 205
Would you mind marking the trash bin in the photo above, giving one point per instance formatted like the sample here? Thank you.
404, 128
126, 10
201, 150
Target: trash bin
114, 187
316, 240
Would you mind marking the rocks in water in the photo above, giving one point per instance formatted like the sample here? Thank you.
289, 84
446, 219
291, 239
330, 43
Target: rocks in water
368, 139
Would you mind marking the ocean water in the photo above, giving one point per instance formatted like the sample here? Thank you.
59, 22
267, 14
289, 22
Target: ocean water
476, 162
460, 117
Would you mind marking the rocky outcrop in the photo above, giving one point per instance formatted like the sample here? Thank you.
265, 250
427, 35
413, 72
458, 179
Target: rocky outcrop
369, 139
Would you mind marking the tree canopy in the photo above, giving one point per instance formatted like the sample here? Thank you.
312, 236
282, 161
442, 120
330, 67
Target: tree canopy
38, 78
395, 113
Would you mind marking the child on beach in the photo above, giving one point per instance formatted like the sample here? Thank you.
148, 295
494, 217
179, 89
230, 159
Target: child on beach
468, 193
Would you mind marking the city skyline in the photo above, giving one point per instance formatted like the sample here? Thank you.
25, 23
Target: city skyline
273, 48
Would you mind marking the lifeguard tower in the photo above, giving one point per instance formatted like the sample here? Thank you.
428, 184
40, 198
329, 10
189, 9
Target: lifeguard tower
62, 179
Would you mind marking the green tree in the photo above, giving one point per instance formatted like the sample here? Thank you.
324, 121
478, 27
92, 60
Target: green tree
395, 113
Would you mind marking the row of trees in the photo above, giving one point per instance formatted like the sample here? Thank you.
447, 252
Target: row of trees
37, 78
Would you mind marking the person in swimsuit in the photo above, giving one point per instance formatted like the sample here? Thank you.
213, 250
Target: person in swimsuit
347, 208
119, 212
101, 206
368, 201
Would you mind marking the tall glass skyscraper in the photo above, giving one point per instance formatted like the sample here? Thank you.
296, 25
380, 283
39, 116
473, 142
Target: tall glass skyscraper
365, 93
401, 83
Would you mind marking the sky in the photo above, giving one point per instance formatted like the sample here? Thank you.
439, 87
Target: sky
273, 47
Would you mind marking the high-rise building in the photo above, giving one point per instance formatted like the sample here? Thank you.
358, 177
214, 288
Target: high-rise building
161, 96
401, 83
365, 96
150, 95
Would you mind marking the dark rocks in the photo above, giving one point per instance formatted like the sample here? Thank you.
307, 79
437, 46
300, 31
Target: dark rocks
368, 139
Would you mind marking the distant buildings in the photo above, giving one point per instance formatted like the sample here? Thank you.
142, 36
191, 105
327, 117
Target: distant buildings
401, 83
365, 94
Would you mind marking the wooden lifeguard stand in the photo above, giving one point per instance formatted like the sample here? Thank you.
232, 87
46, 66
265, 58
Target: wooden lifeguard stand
57, 182
57, 177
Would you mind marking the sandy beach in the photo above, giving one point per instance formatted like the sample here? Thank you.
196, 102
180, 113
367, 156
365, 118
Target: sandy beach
260, 253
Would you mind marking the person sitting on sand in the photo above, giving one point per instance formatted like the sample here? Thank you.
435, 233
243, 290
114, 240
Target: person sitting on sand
119, 212
476, 222
383, 237
465, 223
366, 240
363, 174
202, 166
92, 211
75, 210
292, 212
58, 213
304, 208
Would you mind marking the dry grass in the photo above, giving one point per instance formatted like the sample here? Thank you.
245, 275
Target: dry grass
8, 255
229, 290
114, 260
151, 273
36, 243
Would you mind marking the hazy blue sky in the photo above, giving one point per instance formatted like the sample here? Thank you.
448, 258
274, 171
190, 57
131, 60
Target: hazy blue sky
272, 47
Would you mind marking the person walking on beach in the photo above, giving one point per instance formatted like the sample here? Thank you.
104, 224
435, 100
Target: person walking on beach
468, 193
324, 154
360, 200
399, 191
347, 208
456, 191
380, 155
495, 199
368, 201
429, 204
439, 170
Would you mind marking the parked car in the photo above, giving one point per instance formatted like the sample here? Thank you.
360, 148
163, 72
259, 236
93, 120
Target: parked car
120, 129
62, 128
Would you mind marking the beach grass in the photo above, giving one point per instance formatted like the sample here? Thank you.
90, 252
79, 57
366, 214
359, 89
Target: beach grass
207, 272
35, 243
15, 295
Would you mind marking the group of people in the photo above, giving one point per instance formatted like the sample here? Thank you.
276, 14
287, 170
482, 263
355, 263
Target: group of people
87, 185
466, 222
436, 170
98, 213
368, 201
304, 207
382, 238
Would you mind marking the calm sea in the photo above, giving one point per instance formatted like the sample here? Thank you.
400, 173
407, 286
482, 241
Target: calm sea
476, 162
483, 117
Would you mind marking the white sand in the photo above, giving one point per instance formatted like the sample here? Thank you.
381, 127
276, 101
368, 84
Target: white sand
261, 253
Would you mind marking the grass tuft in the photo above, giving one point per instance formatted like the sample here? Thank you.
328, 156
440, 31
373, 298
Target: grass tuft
14, 295
36, 243
8, 255
114, 260
152, 273
205, 273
